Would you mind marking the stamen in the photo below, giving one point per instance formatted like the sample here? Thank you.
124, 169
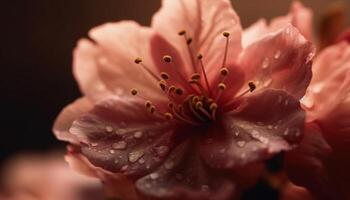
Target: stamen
221, 88
167, 59
224, 72
134, 92
196, 82
139, 61
188, 42
200, 57
152, 109
168, 116
193, 111
213, 107
163, 85
195, 76
183, 118
148, 104
199, 104
252, 86
164, 76
227, 35
179, 91
171, 89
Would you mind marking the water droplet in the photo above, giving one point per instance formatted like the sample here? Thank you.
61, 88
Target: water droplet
286, 102
134, 156
154, 176
94, 144
280, 99
162, 150
308, 102
116, 161
109, 129
270, 127
297, 132
286, 132
241, 143
243, 155
119, 145
138, 134
277, 54
255, 134
264, 140
111, 151
169, 165
265, 63
125, 167
141, 161
236, 133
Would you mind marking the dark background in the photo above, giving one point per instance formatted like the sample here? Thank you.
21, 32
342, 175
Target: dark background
37, 38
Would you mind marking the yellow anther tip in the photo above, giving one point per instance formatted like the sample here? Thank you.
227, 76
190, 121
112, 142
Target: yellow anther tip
252, 86
222, 86
138, 60
168, 116
179, 91
226, 34
189, 41
164, 75
195, 76
224, 71
183, 32
200, 56
167, 58
148, 104
213, 106
134, 92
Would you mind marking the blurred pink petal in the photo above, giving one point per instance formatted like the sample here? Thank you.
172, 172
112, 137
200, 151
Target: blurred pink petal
47, 177
299, 16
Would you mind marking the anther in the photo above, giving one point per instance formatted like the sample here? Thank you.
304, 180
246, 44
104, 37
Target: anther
138, 60
179, 91
170, 105
168, 116
195, 99
224, 71
152, 109
148, 104
200, 56
199, 104
183, 32
167, 58
252, 86
164, 75
171, 89
134, 92
162, 85
213, 106
226, 34
195, 76
222, 86
189, 41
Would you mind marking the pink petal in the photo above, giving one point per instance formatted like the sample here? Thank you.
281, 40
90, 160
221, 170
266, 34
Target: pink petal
281, 61
293, 192
106, 65
204, 21
112, 182
299, 16
270, 122
65, 119
183, 175
345, 36
330, 83
122, 136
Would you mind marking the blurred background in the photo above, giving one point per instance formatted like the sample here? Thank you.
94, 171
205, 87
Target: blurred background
37, 39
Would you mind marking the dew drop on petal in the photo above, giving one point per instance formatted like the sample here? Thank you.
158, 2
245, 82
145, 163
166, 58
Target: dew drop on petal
94, 144
277, 54
109, 129
121, 131
141, 161
116, 161
265, 63
111, 151
138, 134
169, 165
241, 143
286, 132
162, 150
255, 134
135, 156
119, 145
154, 176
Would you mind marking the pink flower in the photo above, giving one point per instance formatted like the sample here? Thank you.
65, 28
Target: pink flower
206, 103
325, 155
46, 177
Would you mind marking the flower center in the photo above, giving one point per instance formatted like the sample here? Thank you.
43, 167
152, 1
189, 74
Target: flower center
194, 101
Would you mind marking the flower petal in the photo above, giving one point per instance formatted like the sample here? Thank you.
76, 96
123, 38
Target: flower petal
65, 119
299, 16
330, 83
107, 63
204, 21
281, 60
120, 135
270, 122
184, 176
